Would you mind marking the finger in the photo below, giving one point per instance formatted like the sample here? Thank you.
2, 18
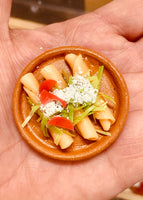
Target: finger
135, 85
5, 8
125, 16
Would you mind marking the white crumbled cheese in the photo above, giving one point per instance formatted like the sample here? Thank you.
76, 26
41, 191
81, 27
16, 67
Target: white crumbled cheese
80, 91
51, 108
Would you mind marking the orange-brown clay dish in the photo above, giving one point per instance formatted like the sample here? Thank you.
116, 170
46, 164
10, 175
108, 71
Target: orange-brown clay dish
112, 84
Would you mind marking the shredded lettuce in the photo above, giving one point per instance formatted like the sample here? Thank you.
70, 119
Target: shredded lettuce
65, 76
85, 105
95, 120
40, 114
93, 81
64, 113
103, 132
29, 101
70, 80
81, 90
68, 133
68, 112
55, 129
71, 111
34, 108
88, 111
99, 75
71, 100
59, 132
44, 126
39, 119
107, 97
79, 107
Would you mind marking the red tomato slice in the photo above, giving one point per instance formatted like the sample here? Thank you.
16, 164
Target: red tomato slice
46, 97
47, 85
61, 122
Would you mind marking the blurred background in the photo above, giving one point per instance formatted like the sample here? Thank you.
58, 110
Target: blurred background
30, 14
50, 11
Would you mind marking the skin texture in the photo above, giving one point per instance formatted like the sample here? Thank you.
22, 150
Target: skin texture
115, 31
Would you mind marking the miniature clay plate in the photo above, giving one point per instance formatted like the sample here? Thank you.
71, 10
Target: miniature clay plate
112, 84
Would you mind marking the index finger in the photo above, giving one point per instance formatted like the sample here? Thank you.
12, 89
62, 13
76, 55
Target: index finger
5, 8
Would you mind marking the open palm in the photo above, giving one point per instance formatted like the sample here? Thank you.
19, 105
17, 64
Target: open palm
115, 31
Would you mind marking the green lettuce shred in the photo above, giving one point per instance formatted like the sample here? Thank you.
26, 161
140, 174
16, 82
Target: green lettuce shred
34, 108
64, 113
103, 132
55, 129
107, 97
44, 126
71, 111
93, 81
65, 76
88, 111
70, 80
68, 133
99, 75
59, 131
29, 101
82, 107
40, 114
79, 107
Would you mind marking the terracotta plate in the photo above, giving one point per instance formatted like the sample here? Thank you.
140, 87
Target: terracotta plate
112, 84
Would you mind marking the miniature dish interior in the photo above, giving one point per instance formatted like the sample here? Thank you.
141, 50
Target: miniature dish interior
112, 84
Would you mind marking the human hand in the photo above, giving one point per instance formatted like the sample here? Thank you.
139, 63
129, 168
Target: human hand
115, 31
